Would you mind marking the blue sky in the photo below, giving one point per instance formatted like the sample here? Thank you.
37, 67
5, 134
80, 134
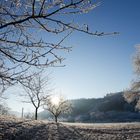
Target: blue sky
100, 65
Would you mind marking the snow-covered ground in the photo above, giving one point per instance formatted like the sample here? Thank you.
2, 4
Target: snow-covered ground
18, 129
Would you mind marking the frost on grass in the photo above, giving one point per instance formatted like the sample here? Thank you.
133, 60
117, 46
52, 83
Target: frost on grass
19, 129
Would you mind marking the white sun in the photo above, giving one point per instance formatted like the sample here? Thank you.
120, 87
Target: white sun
55, 100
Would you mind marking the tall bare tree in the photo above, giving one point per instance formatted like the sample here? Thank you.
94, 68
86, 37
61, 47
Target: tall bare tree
57, 106
22, 45
37, 91
133, 94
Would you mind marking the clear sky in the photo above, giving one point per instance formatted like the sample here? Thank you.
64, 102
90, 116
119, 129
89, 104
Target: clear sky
99, 65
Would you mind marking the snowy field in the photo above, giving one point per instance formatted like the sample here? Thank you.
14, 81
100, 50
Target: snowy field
18, 129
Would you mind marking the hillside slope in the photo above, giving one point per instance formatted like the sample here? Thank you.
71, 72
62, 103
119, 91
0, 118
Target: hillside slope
111, 108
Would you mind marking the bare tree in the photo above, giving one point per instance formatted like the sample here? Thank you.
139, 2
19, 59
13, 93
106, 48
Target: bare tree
133, 94
35, 90
4, 109
57, 106
23, 24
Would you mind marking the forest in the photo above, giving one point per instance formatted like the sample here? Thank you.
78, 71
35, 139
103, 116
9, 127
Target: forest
112, 108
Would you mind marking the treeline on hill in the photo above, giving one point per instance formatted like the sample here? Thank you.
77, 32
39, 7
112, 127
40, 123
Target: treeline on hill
111, 108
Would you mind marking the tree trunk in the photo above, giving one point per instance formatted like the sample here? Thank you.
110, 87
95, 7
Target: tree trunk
36, 109
55, 119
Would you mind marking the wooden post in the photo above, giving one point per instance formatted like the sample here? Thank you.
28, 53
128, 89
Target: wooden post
22, 113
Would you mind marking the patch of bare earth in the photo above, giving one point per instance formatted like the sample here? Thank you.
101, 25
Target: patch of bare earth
18, 129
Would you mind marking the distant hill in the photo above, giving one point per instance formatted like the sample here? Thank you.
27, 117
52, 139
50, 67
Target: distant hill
111, 108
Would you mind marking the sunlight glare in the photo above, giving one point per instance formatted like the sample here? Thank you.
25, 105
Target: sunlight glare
55, 100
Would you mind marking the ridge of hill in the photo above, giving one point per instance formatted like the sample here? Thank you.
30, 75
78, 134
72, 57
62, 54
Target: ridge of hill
111, 108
